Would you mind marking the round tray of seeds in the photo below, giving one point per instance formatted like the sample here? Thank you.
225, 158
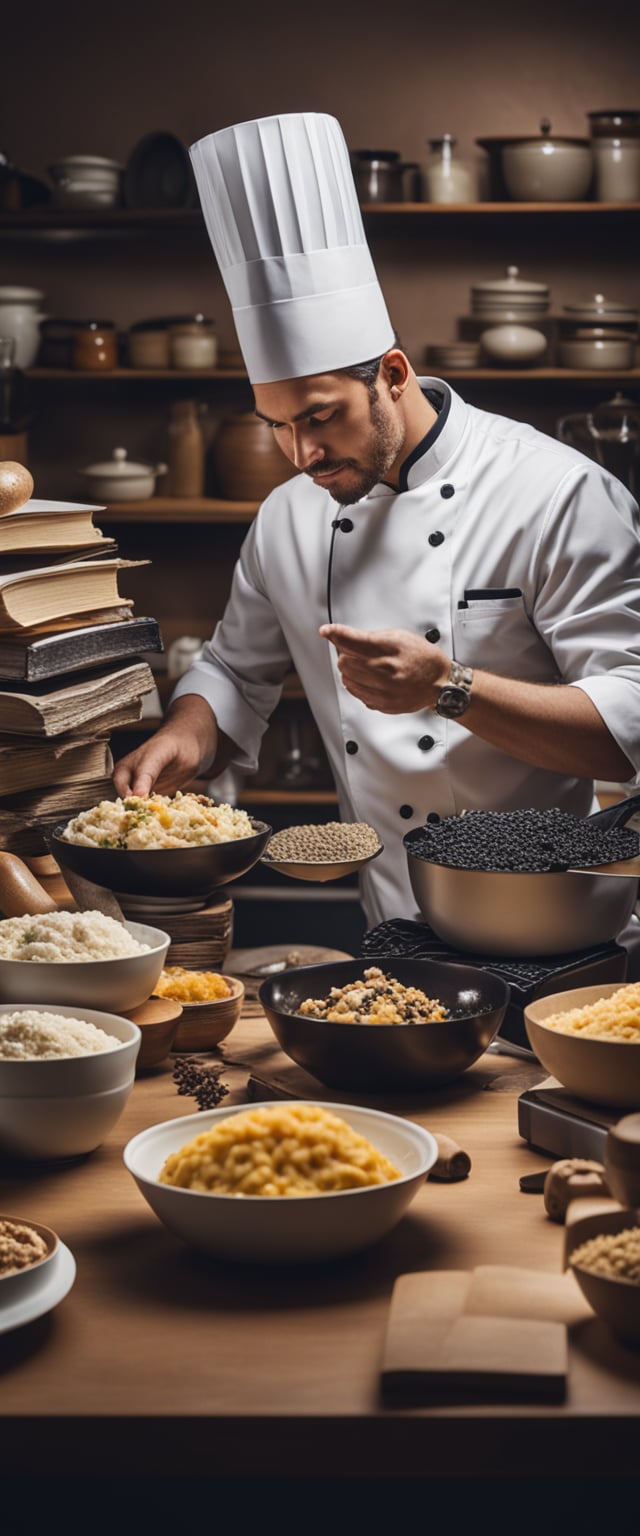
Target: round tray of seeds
323, 851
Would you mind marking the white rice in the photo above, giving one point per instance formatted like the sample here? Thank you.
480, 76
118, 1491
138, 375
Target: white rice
28, 1034
67, 936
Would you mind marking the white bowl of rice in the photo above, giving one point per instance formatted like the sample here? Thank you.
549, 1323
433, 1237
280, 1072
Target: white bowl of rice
274, 1183
69, 957
65, 1076
589, 1040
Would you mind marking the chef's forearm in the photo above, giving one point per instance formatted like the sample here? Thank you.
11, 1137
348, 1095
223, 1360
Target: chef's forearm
553, 727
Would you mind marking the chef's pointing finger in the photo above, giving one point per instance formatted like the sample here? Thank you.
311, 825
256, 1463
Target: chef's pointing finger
355, 642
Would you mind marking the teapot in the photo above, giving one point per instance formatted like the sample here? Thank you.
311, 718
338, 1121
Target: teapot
378, 175
609, 434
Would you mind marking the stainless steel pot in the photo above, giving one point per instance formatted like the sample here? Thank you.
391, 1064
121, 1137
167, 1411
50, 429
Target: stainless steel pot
504, 914
379, 175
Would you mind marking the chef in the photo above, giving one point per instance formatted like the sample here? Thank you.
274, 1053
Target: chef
458, 593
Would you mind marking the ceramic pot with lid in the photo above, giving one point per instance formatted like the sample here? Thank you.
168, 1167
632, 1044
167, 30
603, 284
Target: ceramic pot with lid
511, 298
598, 333
546, 168
20, 317
379, 175
118, 479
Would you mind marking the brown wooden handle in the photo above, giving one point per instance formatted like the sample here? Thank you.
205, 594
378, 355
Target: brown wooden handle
452, 1163
21, 895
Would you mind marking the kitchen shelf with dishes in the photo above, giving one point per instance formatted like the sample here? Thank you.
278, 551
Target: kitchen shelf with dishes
476, 375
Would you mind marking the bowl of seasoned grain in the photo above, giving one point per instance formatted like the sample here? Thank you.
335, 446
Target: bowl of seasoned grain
27, 1249
211, 1005
603, 1250
402, 1024
589, 1040
65, 1076
69, 957
281, 1183
160, 845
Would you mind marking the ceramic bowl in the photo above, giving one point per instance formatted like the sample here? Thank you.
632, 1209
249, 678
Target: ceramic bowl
598, 1071
615, 1301
203, 1025
112, 984
173, 872
295, 1229
15, 1284
514, 343
65, 1106
547, 170
371, 1057
610, 352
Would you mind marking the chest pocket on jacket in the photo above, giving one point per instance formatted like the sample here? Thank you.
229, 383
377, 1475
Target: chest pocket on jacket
495, 633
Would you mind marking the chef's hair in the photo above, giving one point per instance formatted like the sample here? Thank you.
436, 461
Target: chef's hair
368, 372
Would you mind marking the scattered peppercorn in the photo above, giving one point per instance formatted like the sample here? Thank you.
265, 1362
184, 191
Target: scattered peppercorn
200, 1080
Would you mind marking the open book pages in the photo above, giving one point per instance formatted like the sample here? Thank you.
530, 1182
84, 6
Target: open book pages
52, 592
50, 709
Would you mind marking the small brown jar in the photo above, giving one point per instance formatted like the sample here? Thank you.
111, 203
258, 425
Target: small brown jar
94, 347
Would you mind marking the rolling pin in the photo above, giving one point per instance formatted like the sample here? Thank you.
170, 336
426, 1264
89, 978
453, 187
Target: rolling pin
21, 895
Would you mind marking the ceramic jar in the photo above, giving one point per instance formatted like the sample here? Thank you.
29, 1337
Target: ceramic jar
20, 316
547, 167
448, 179
94, 346
615, 142
247, 460
193, 344
148, 344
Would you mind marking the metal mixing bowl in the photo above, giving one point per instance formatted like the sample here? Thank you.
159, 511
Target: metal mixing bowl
500, 913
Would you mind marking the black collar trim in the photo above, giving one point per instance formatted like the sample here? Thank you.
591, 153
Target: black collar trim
442, 404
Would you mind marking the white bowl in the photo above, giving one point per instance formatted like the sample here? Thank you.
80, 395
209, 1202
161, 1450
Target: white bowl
18, 1283
288, 1229
514, 343
112, 984
599, 1071
64, 1107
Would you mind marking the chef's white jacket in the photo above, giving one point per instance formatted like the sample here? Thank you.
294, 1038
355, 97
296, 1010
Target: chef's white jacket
512, 551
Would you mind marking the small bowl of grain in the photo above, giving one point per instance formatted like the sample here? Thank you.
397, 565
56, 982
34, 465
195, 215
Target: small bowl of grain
322, 851
27, 1249
278, 1183
65, 1076
211, 1005
603, 1250
589, 1040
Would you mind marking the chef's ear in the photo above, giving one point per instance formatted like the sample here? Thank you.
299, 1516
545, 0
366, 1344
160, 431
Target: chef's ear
394, 372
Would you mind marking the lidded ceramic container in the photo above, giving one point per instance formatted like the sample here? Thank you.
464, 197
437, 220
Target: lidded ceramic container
119, 479
545, 167
598, 333
511, 298
615, 141
20, 317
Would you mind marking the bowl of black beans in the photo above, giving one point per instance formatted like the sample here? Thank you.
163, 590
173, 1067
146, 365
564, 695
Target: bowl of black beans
523, 882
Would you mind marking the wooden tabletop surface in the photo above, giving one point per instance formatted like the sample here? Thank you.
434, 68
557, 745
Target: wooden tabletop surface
159, 1352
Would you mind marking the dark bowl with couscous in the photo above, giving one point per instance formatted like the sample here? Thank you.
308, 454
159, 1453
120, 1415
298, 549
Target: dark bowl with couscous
368, 1056
179, 872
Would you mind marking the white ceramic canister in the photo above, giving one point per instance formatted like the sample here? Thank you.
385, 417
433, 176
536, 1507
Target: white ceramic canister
193, 344
20, 316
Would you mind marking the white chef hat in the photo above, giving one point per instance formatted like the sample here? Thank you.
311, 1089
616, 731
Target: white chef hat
283, 217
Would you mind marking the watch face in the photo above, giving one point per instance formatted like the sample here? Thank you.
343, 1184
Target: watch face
452, 702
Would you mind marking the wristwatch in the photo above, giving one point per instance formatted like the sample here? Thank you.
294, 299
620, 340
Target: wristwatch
455, 697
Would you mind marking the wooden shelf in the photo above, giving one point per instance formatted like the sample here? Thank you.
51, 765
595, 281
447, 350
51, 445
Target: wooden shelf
288, 797
180, 509
103, 375
45, 220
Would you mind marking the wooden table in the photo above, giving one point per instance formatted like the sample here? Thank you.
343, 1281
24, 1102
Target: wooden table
160, 1358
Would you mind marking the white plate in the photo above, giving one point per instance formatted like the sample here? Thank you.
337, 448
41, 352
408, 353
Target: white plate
56, 1281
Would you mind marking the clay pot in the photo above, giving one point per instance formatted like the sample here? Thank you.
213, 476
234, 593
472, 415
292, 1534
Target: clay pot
247, 460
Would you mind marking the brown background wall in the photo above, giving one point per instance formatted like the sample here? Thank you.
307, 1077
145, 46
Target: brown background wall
86, 78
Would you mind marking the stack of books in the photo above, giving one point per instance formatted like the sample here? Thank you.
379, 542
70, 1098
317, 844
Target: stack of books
72, 667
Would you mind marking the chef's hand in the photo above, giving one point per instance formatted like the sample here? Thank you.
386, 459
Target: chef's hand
390, 670
172, 757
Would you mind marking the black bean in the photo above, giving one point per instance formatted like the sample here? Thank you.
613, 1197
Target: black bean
523, 841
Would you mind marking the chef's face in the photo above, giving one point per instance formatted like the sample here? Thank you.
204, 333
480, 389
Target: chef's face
344, 434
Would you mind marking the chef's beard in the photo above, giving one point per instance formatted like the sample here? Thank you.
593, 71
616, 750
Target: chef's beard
386, 443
